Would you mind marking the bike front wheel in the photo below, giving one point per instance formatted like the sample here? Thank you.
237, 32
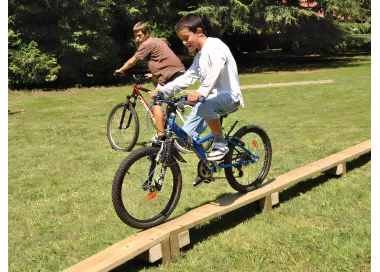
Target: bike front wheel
123, 127
248, 176
135, 195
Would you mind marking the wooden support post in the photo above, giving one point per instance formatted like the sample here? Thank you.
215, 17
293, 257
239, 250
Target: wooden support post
151, 255
267, 202
338, 170
157, 252
166, 252
341, 169
174, 246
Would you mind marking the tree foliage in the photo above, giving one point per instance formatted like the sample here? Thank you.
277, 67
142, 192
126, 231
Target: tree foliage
63, 43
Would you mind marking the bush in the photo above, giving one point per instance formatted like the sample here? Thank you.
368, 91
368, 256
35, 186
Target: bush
29, 66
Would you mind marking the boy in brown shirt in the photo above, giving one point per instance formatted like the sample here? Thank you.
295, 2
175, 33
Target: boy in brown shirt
164, 65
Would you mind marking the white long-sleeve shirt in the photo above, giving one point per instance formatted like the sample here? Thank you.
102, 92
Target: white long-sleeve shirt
216, 69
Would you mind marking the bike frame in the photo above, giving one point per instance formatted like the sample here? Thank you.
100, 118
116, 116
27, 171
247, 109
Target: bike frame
198, 148
136, 93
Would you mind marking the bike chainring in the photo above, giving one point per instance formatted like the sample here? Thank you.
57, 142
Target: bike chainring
204, 172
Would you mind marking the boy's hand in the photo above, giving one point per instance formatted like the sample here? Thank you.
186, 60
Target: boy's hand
148, 75
118, 72
193, 97
154, 92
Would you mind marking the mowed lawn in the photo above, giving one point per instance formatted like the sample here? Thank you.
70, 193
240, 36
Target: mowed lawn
61, 168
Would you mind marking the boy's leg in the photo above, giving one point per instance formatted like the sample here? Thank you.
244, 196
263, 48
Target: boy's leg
159, 116
195, 125
222, 104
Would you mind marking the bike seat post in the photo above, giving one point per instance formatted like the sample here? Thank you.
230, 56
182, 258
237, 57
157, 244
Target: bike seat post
233, 126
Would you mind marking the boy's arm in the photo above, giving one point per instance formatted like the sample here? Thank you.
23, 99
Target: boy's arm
212, 78
132, 61
182, 82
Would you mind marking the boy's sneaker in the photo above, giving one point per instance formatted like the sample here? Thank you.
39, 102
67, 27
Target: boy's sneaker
218, 152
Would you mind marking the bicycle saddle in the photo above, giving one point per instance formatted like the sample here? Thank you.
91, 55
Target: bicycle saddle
225, 115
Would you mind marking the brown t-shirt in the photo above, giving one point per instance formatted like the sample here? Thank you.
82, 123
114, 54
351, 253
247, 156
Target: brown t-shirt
162, 62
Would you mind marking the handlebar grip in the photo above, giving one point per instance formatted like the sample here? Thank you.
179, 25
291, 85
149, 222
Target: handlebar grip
117, 74
201, 99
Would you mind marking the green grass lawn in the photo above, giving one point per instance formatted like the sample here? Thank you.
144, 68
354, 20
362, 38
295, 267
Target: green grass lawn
61, 168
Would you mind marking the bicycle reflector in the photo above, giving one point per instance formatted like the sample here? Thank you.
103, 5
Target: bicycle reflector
255, 144
151, 195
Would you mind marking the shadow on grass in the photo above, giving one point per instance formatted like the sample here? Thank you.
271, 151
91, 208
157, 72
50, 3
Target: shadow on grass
307, 185
236, 217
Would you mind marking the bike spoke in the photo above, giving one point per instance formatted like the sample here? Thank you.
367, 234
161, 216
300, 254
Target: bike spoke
136, 198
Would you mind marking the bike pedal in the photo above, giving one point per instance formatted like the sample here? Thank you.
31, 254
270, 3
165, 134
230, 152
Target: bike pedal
198, 180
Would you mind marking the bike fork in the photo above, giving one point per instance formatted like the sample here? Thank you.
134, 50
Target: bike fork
123, 116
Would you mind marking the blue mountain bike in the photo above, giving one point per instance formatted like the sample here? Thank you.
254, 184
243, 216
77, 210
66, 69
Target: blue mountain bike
147, 186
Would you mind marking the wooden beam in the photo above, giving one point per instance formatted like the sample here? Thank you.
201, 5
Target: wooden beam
176, 243
133, 246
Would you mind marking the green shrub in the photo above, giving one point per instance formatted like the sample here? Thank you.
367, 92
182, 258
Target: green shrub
28, 65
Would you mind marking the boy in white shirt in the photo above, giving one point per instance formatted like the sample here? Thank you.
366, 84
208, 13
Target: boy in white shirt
216, 69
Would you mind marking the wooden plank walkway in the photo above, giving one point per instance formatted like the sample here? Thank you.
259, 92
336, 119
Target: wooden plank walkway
167, 234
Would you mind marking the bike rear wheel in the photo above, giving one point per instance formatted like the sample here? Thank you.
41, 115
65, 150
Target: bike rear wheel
123, 127
248, 177
137, 205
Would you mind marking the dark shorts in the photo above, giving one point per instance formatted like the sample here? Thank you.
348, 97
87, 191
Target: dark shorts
174, 76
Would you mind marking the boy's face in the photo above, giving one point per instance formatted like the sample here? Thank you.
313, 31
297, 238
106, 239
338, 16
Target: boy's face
189, 39
141, 37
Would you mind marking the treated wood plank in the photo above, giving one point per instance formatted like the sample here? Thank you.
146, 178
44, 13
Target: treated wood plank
121, 252
235, 201
132, 246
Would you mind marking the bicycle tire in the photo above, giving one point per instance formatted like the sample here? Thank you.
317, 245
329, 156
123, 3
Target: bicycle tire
123, 139
128, 179
257, 141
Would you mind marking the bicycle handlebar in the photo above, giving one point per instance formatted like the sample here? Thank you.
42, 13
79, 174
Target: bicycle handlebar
117, 74
159, 97
137, 78
201, 99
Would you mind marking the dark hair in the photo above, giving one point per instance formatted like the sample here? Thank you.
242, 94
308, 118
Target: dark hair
140, 26
190, 22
